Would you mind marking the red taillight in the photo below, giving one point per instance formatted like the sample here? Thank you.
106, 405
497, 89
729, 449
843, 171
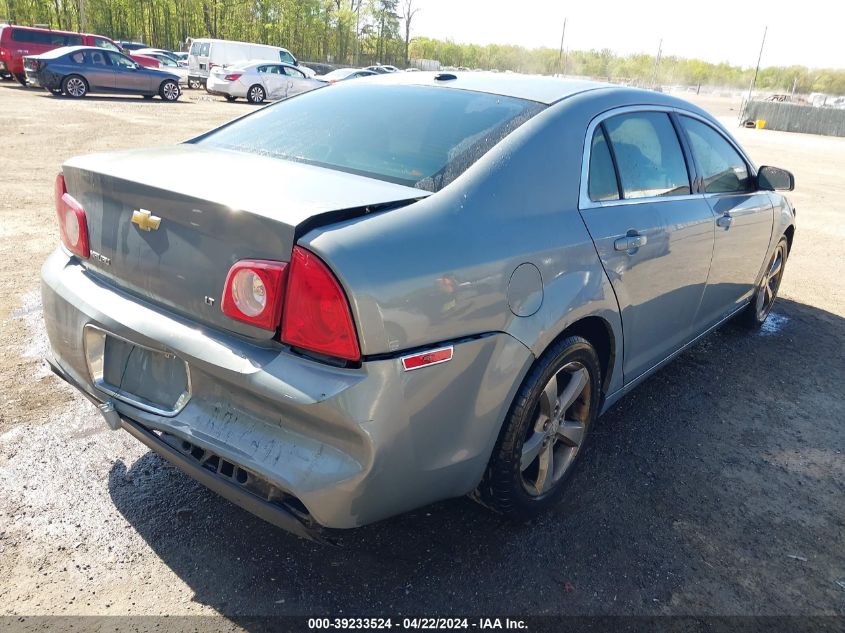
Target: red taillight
317, 316
233, 77
73, 225
254, 292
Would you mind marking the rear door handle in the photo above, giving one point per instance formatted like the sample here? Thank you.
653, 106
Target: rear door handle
724, 221
630, 242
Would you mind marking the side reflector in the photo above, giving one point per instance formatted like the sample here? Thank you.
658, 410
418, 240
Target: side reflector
424, 359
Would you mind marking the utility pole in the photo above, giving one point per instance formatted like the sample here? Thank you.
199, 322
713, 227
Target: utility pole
83, 22
357, 32
560, 54
754, 79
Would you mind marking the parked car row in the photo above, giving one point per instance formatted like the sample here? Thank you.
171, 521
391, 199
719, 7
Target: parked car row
17, 42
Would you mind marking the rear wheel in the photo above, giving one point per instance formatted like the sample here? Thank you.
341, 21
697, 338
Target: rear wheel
255, 94
75, 86
230, 98
544, 431
194, 84
21, 78
148, 96
169, 90
767, 290
57, 92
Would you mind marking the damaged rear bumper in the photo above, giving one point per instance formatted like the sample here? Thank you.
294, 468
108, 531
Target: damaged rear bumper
273, 510
331, 447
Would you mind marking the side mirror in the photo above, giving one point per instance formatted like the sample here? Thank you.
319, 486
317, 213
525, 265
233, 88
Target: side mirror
775, 179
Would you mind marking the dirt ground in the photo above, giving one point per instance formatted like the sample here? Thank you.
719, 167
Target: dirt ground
717, 488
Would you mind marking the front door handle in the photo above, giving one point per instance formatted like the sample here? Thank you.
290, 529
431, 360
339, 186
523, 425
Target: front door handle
724, 221
630, 242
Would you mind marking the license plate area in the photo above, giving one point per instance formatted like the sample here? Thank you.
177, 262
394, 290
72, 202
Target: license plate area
146, 378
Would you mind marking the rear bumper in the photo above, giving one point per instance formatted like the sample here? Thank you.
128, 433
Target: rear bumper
274, 513
351, 445
224, 88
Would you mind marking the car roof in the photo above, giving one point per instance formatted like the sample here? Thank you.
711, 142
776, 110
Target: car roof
65, 50
539, 88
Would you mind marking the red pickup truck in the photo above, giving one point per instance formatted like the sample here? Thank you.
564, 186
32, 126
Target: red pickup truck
19, 41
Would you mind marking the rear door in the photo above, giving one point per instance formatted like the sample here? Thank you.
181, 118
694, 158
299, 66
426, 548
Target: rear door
273, 80
98, 70
654, 237
297, 82
128, 77
743, 219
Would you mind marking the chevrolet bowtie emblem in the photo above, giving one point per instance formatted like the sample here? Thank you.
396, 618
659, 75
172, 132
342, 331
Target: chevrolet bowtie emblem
145, 220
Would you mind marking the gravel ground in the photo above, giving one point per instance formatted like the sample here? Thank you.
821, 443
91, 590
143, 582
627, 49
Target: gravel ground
717, 488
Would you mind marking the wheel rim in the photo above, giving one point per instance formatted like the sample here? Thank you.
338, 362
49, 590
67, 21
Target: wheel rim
75, 87
171, 91
558, 428
257, 94
769, 285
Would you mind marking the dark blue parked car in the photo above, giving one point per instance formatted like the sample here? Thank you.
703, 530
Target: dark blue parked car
77, 70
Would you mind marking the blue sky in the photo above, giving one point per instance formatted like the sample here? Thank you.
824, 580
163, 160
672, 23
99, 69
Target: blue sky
807, 32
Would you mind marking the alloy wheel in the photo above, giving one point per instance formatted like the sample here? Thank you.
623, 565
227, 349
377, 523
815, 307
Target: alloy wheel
554, 438
770, 283
75, 87
170, 91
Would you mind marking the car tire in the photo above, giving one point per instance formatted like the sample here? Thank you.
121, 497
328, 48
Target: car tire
255, 94
544, 432
230, 98
75, 86
757, 311
21, 79
169, 90
148, 96
56, 92
194, 84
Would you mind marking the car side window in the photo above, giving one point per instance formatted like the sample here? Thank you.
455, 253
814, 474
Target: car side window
648, 155
292, 72
97, 58
722, 168
101, 43
121, 61
602, 175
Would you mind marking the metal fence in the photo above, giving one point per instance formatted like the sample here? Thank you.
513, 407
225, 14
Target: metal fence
791, 117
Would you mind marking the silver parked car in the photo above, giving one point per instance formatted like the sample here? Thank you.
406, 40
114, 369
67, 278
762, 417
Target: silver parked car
390, 310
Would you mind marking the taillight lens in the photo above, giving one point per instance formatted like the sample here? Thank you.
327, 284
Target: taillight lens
316, 315
73, 225
254, 292
233, 77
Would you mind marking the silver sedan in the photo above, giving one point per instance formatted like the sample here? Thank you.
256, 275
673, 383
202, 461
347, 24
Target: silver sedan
372, 297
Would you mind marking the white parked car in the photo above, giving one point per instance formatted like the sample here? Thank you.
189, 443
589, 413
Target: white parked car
206, 54
257, 81
167, 63
342, 74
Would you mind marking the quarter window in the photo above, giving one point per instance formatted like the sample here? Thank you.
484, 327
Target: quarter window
648, 155
722, 168
602, 179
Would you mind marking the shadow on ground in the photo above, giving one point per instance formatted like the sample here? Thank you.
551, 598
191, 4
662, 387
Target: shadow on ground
700, 493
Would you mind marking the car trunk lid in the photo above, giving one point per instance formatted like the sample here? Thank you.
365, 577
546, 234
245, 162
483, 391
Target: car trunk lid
167, 224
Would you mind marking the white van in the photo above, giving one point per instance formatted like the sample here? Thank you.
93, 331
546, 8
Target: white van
204, 54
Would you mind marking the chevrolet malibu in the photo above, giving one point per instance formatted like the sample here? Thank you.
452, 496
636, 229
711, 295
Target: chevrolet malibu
404, 289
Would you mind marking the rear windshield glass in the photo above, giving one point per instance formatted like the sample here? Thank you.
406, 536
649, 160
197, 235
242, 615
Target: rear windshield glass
417, 136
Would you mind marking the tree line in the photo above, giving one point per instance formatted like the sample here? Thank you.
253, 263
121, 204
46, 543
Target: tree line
368, 31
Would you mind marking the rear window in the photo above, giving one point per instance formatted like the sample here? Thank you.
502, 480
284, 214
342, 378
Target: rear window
48, 38
418, 136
